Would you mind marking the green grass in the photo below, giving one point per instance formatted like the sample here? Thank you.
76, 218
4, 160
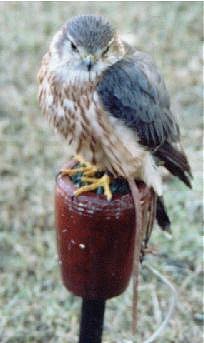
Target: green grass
34, 306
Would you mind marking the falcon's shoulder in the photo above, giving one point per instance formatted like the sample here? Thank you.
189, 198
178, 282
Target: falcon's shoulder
133, 91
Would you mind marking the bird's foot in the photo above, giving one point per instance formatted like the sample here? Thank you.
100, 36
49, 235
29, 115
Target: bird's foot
85, 168
94, 184
88, 177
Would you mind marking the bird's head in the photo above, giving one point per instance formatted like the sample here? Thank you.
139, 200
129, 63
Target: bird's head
84, 48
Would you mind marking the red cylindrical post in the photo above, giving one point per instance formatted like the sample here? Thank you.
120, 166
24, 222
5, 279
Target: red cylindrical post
95, 240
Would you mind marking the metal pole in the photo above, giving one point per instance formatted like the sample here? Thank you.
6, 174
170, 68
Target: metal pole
92, 317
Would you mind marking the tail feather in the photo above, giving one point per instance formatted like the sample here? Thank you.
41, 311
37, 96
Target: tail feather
162, 216
175, 161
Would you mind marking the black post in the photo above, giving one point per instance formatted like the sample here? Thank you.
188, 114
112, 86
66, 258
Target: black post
92, 316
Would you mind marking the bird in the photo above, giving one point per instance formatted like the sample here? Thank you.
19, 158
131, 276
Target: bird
110, 103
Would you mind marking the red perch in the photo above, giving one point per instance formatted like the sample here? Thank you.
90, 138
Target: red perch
96, 239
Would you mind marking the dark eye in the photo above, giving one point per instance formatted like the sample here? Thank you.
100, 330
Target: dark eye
74, 48
106, 50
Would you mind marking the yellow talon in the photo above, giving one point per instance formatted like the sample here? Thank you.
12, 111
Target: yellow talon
104, 182
89, 179
107, 191
89, 171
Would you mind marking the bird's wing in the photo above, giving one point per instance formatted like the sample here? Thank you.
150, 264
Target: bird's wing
133, 91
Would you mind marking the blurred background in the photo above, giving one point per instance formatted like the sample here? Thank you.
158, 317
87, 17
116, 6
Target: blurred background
34, 306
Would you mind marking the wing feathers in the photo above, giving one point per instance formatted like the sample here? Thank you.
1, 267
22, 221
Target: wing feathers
175, 161
127, 93
133, 91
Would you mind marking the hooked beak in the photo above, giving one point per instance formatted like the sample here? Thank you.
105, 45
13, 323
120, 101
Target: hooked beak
89, 61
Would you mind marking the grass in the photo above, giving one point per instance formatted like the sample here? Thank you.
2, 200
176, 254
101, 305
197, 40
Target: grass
34, 306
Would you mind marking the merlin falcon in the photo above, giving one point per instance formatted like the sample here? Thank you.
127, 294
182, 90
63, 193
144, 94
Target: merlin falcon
111, 104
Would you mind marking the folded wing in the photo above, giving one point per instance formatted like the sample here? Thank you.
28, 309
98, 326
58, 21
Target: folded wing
133, 91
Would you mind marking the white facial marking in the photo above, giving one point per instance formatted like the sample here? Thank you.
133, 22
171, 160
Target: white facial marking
67, 65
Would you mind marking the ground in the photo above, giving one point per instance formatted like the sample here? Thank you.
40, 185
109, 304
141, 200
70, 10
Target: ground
34, 306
